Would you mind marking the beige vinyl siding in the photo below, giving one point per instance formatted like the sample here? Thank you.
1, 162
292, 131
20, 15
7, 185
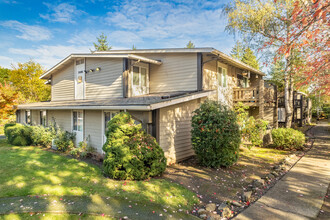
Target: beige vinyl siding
177, 73
174, 130
106, 83
63, 84
93, 128
35, 117
62, 118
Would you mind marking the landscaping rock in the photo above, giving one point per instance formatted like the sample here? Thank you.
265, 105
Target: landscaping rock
236, 204
270, 176
201, 211
210, 207
203, 216
258, 182
222, 206
275, 174
226, 213
213, 216
246, 196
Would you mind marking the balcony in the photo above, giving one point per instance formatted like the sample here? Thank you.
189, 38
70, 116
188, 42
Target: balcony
249, 96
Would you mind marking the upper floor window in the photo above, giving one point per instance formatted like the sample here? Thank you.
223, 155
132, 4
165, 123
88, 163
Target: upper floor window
140, 79
222, 76
242, 81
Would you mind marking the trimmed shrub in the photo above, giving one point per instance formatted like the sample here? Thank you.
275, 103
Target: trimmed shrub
18, 134
252, 130
64, 140
130, 152
41, 136
215, 135
288, 139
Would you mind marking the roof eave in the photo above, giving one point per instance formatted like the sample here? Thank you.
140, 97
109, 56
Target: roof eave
237, 62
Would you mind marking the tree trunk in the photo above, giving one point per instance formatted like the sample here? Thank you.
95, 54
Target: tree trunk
288, 93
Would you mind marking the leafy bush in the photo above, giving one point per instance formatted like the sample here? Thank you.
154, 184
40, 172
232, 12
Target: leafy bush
18, 134
130, 152
82, 150
288, 139
252, 130
41, 136
215, 135
64, 140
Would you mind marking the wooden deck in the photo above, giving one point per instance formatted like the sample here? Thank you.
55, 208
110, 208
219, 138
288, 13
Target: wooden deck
248, 96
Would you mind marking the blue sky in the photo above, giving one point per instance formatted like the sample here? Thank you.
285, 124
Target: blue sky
47, 31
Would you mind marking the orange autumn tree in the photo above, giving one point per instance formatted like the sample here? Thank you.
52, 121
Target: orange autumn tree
8, 98
293, 30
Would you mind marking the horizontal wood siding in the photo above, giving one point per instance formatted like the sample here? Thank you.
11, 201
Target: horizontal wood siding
62, 118
174, 130
63, 84
106, 83
93, 129
177, 73
35, 117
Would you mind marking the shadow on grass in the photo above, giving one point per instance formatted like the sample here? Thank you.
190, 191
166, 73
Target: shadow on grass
35, 171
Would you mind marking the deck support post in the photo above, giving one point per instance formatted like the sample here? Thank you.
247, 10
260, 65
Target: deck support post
261, 99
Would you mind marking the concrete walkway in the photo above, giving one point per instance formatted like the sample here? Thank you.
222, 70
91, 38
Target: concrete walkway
301, 192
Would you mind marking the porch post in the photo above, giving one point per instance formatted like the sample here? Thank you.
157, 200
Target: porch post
261, 99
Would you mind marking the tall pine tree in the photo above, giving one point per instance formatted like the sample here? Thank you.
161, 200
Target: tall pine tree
250, 59
102, 43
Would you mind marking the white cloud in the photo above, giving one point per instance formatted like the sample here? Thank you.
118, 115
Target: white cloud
166, 21
63, 12
47, 55
6, 61
28, 32
83, 38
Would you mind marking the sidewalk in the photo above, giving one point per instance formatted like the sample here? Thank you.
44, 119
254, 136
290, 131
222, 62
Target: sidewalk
301, 192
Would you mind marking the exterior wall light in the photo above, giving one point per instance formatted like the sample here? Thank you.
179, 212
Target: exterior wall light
91, 70
98, 69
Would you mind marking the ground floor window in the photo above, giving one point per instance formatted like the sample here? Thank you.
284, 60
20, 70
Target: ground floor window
18, 116
78, 121
28, 117
107, 117
43, 115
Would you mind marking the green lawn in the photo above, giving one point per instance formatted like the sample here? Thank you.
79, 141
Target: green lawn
36, 171
50, 216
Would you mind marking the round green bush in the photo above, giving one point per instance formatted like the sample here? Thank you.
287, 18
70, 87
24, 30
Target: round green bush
288, 139
215, 135
18, 134
131, 154
41, 136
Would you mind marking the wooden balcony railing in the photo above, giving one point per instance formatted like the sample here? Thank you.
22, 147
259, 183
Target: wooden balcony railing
250, 94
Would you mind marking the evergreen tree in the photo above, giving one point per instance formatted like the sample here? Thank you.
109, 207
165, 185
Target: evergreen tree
102, 43
190, 45
133, 47
237, 51
250, 59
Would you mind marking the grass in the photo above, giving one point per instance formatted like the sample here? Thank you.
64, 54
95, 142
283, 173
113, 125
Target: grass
36, 171
50, 216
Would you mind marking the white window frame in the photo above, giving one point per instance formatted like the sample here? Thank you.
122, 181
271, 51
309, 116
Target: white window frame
140, 66
28, 116
222, 76
82, 117
103, 123
43, 118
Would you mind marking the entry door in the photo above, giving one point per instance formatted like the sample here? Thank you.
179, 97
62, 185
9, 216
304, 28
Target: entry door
78, 125
80, 79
